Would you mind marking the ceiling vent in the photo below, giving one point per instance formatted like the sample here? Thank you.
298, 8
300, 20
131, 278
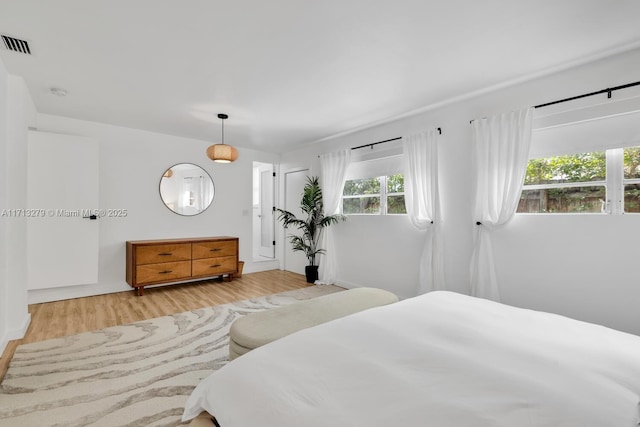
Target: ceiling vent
16, 45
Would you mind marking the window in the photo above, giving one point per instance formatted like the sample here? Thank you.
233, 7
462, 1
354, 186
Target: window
361, 196
378, 195
631, 180
395, 194
565, 184
585, 157
583, 183
375, 183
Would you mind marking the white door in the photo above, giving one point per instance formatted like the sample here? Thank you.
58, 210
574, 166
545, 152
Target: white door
267, 247
294, 183
62, 189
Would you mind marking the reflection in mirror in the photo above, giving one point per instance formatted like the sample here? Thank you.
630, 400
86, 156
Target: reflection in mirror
186, 189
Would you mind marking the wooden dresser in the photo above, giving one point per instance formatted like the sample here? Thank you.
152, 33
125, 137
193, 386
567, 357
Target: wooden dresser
153, 262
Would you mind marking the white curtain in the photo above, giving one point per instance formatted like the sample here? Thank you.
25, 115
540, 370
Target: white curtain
333, 171
423, 204
500, 153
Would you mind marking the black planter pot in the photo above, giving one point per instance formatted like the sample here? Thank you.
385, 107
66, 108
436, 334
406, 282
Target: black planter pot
311, 271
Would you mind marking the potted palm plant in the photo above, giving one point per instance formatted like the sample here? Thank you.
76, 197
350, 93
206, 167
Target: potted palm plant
310, 225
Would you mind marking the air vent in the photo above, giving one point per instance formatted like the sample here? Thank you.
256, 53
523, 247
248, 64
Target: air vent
16, 45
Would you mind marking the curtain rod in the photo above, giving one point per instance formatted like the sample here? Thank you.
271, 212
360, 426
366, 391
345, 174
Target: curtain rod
598, 92
386, 140
607, 91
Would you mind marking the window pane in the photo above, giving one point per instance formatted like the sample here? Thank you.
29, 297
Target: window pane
361, 205
355, 187
631, 163
632, 197
395, 183
395, 205
562, 200
583, 167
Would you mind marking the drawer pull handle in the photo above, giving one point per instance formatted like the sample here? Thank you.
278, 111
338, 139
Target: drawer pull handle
165, 254
215, 265
215, 250
165, 272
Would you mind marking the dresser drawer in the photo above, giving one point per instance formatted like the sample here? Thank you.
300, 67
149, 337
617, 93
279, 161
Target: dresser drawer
163, 272
162, 253
212, 249
213, 266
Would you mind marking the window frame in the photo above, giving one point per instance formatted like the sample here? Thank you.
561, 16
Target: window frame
383, 195
614, 184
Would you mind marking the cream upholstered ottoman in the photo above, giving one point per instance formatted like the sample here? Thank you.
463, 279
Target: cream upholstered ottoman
256, 329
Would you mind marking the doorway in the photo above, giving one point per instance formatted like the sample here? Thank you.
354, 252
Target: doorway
63, 235
294, 182
263, 212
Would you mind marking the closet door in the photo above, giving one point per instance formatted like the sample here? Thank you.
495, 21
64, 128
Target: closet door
62, 186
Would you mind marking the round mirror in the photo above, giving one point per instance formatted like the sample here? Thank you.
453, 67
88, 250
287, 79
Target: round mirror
186, 189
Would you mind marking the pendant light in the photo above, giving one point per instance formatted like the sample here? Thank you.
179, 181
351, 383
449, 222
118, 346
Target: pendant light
222, 153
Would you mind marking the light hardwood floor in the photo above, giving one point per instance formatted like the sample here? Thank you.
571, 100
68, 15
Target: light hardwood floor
74, 316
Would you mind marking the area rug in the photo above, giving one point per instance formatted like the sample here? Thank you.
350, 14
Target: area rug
138, 374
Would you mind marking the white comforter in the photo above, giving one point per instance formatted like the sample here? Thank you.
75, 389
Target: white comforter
439, 360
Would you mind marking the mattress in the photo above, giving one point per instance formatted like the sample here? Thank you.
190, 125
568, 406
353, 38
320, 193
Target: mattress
441, 359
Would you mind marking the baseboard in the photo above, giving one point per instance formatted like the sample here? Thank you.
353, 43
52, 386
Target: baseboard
3, 346
15, 333
19, 332
262, 265
37, 296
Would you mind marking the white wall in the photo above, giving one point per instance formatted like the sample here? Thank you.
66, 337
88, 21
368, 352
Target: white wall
580, 266
17, 113
131, 165
4, 302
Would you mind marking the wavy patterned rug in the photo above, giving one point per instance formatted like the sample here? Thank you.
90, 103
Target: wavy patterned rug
138, 374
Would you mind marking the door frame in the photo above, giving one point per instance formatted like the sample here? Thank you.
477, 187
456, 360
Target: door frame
284, 250
260, 168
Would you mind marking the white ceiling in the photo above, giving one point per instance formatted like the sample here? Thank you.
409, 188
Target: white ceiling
290, 72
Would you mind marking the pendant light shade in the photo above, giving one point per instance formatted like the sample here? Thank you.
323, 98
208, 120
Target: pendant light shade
222, 153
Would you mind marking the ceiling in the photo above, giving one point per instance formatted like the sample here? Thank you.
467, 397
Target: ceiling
290, 72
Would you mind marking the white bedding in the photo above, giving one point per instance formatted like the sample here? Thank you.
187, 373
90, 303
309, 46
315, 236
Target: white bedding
439, 360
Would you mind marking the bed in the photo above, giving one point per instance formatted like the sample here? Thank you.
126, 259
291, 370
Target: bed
441, 360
